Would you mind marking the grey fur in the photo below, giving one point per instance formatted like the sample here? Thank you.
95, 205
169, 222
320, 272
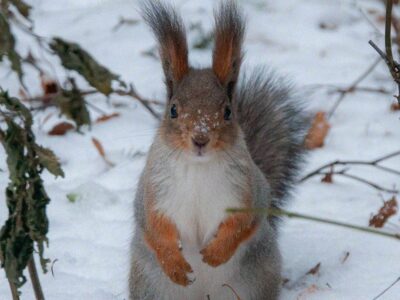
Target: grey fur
267, 151
272, 118
168, 28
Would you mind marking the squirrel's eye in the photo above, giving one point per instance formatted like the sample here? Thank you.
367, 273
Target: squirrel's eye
174, 111
227, 113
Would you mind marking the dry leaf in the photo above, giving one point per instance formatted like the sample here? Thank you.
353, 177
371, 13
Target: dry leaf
328, 178
49, 87
388, 209
101, 151
314, 270
105, 118
317, 132
61, 128
310, 290
395, 106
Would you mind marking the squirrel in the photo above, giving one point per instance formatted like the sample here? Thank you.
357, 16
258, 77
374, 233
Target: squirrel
223, 142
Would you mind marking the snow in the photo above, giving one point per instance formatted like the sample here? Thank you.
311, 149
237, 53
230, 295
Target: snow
89, 237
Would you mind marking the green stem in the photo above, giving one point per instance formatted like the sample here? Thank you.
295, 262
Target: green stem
281, 212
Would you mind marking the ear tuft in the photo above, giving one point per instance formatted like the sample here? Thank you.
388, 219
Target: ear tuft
229, 32
169, 30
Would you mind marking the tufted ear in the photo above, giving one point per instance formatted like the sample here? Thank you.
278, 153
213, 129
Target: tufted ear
169, 30
227, 55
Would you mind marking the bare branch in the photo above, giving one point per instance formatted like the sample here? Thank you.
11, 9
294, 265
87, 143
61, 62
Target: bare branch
387, 56
373, 163
37, 288
388, 288
352, 87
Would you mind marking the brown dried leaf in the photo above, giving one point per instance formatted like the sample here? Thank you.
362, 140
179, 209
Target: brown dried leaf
101, 151
395, 106
49, 86
317, 132
388, 209
328, 178
61, 128
308, 291
105, 118
314, 270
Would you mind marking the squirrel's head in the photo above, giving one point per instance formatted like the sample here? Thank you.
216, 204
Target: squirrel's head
200, 117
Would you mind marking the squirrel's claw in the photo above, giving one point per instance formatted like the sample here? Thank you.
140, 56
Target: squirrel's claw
177, 268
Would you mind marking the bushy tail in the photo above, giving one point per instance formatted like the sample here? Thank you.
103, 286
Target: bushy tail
274, 125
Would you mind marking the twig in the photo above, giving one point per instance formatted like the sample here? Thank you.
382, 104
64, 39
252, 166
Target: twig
37, 288
364, 89
232, 289
388, 288
124, 21
352, 87
133, 93
359, 179
338, 89
394, 66
280, 212
374, 163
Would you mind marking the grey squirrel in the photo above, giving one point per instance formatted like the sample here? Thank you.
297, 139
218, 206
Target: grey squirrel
222, 143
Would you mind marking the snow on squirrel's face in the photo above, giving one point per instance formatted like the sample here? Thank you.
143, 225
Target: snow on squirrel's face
200, 119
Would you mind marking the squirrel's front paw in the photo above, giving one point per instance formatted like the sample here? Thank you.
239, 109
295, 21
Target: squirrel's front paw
175, 266
217, 253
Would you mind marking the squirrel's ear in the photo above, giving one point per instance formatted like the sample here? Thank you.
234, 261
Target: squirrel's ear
229, 32
169, 30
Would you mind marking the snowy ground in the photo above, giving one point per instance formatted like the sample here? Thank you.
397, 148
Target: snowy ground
90, 237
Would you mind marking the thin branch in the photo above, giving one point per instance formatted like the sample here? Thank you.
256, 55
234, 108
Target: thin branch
280, 212
49, 99
388, 288
333, 88
352, 87
373, 163
387, 56
233, 290
367, 182
14, 290
37, 288
364, 89
145, 102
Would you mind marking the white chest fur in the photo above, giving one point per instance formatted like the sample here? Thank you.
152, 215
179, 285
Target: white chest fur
197, 197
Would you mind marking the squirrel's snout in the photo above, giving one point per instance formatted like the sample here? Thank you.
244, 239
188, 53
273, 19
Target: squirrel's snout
200, 141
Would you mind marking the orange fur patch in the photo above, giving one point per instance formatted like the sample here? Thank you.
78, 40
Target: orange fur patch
161, 235
223, 56
231, 233
177, 53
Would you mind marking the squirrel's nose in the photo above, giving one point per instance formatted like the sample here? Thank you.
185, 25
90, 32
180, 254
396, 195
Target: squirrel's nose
200, 140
